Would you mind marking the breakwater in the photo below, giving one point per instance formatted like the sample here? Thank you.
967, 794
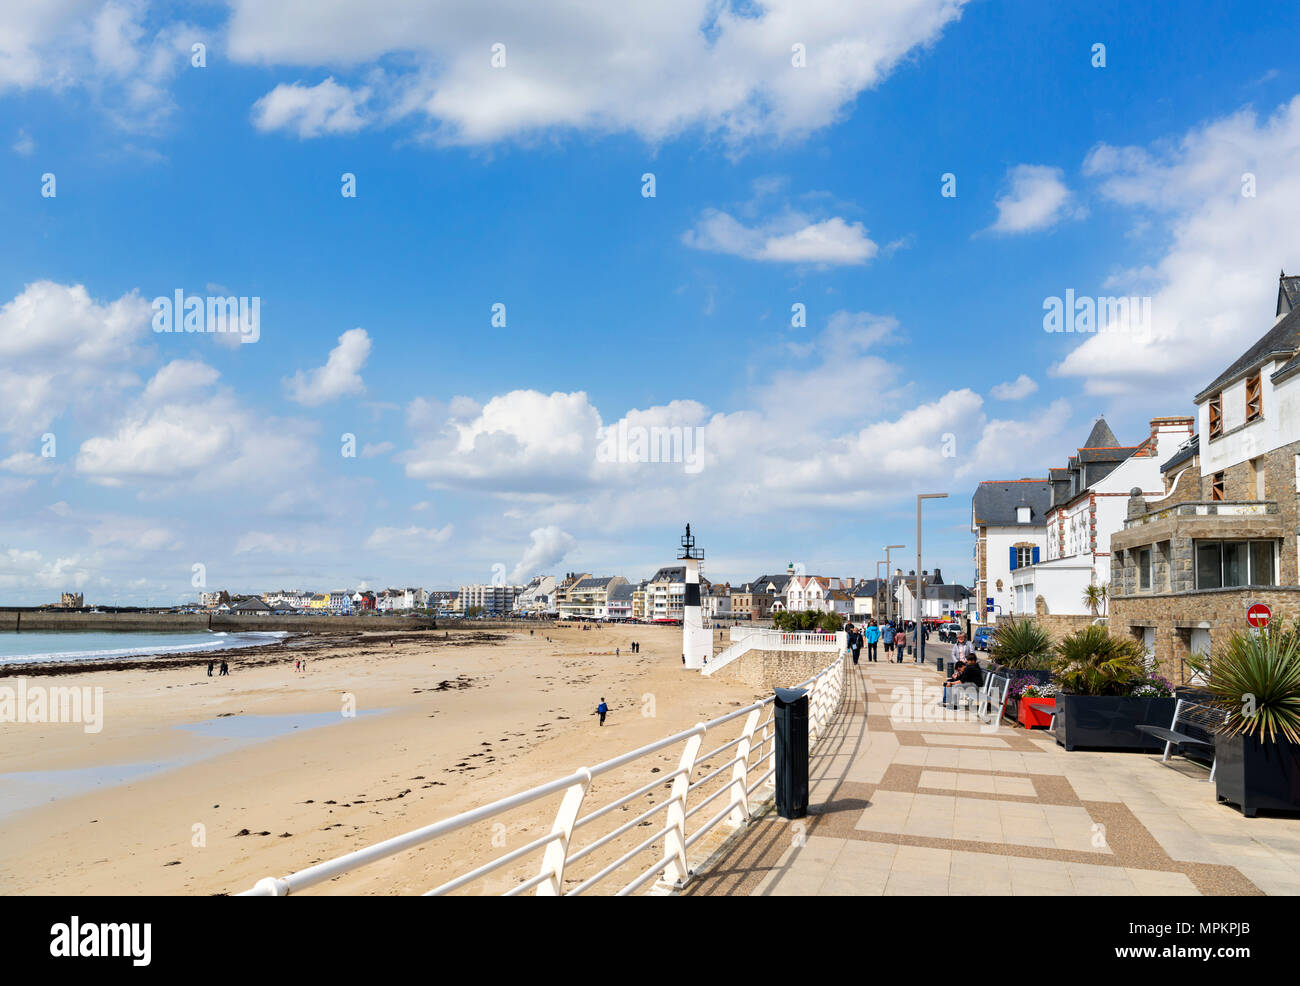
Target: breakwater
52, 620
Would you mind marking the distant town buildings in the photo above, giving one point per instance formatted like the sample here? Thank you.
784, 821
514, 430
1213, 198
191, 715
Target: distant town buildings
537, 597
489, 597
589, 598
72, 600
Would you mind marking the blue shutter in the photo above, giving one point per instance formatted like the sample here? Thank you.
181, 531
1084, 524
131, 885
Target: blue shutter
1013, 559
1035, 555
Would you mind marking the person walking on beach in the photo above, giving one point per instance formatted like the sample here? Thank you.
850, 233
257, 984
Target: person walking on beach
210, 666
602, 710
887, 638
873, 638
225, 669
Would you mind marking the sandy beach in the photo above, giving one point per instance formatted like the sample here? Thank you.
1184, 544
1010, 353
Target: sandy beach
225, 780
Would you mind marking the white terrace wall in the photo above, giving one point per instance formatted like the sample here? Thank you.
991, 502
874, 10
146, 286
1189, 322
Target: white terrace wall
764, 670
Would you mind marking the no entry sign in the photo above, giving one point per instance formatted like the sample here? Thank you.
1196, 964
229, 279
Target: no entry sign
1258, 615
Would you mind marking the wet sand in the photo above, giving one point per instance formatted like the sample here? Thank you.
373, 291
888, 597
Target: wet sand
208, 784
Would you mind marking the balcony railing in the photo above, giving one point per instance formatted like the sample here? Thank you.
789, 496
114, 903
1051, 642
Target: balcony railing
1208, 508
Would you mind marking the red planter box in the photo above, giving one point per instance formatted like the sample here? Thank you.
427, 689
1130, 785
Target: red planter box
1038, 714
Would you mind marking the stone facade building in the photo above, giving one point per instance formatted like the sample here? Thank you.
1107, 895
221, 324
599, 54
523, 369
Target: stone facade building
751, 601
1186, 568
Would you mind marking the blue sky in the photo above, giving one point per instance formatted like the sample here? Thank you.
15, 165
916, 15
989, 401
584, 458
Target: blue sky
521, 185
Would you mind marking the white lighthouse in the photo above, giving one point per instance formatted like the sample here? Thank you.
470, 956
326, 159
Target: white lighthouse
697, 642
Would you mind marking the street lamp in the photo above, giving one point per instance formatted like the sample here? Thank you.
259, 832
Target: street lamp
875, 615
918, 648
889, 601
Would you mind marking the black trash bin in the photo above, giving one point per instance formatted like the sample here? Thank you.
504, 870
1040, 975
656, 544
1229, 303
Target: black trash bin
791, 715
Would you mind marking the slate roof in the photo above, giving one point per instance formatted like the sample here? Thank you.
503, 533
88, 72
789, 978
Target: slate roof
868, 587
670, 573
954, 592
1101, 436
1116, 454
1185, 451
623, 591
995, 501
1279, 342
1288, 293
598, 582
779, 581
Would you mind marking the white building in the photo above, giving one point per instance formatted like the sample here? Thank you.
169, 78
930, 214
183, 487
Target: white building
619, 602
665, 593
538, 596
490, 598
1009, 521
939, 599
588, 598
715, 601
1090, 499
816, 592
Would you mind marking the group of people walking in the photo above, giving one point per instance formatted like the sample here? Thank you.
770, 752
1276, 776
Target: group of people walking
890, 634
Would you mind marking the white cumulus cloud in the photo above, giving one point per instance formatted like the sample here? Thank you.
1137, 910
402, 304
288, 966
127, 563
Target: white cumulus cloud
339, 377
1037, 199
312, 111
1014, 390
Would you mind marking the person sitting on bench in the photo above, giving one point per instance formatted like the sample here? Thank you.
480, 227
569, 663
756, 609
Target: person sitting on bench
965, 673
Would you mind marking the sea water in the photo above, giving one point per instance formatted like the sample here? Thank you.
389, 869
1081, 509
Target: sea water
30, 646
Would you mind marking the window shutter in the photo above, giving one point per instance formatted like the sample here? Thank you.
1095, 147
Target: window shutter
1035, 555
1013, 559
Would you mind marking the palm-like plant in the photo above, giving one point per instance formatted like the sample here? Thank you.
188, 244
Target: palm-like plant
1021, 644
1103, 591
1092, 597
1092, 662
1255, 678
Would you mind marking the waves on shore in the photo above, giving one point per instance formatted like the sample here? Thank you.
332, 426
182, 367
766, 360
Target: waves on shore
44, 646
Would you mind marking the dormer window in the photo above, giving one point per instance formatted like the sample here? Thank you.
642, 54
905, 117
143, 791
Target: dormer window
1216, 415
1254, 404
1022, 515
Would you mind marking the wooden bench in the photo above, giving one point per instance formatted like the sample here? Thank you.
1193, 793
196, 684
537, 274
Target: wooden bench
1194, 725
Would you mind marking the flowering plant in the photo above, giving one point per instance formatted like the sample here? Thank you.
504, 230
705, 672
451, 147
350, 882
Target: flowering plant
1040, 689
1153, 686
1019, 686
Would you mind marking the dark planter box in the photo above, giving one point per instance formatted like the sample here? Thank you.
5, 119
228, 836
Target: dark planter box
1254, 775
1110, 722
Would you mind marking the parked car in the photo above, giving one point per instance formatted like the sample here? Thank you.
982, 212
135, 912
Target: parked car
983, 637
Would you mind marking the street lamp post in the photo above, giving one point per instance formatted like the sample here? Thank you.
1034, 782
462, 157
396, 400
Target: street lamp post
889, 599
919, 647
874, 614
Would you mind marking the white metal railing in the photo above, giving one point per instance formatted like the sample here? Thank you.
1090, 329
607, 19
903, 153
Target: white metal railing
745, 639
750, 757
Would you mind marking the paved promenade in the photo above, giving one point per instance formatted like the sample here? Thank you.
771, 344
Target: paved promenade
900, 806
